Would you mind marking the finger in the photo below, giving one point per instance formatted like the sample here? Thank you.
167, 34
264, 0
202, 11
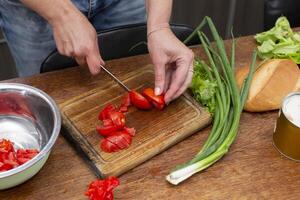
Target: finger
94, 60
160, 71
186, 83
168, 77
67, 48
81, 61
178, 79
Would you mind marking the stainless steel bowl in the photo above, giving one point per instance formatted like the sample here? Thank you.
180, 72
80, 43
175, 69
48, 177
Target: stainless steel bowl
30, 119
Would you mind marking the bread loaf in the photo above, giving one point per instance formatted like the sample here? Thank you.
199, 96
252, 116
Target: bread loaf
270, 84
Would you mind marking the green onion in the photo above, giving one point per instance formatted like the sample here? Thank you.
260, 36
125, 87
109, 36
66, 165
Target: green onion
229, 103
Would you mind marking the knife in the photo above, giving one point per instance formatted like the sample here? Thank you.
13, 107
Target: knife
115, 78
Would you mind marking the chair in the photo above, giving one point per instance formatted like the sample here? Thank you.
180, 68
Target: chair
116, 43
276, 8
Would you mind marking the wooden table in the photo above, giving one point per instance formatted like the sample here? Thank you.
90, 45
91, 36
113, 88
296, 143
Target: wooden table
252, 169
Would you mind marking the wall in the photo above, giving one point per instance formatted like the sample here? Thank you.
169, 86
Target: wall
248, 19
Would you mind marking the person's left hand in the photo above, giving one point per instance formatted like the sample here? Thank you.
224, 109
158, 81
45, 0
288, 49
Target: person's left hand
173, 64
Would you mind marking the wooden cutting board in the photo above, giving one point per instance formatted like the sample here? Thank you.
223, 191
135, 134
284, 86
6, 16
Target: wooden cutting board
155, 130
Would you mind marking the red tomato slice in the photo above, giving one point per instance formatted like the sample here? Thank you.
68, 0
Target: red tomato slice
125, 103
107, 122
157, 101
139, 101
117, 118
130, 131
106, 130
104, 114
116, 142
108, 146
126, 100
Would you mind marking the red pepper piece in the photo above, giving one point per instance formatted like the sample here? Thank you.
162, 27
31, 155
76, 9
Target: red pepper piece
102, 189
139, 101
115, 142
104, 114
157, 101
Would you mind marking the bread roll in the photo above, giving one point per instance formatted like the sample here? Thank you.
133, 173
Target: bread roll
270, 84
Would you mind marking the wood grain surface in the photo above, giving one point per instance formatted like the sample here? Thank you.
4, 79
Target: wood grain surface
155, 130
252, 169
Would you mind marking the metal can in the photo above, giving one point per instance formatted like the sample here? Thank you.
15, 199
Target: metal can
286, 135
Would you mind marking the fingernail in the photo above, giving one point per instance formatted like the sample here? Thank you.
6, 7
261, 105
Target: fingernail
157, 91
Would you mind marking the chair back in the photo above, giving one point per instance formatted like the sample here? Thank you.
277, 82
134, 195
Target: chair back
276, 8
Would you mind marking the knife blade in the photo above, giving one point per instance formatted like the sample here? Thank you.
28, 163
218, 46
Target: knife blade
115, 78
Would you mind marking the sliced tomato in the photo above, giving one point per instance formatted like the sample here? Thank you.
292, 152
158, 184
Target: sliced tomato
157, 101
117, 118
116, 142
107, 122
106, 130
139, 101
104, 114
125, 103
130, 131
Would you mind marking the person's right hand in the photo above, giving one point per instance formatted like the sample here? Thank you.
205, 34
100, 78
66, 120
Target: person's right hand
76, 37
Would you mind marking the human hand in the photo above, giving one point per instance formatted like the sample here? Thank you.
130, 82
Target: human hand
76, 37
173, 63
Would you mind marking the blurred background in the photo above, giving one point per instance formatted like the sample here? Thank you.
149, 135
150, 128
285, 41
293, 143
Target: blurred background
245, 16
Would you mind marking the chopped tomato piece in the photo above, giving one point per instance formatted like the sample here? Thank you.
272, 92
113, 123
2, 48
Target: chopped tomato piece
115, 142
125, 104
24, 155
126, 100
104, 114
106, 130
130, 131
117, 118
139, 101
6, 146
102, 189
107, 122
157, 101
9, 158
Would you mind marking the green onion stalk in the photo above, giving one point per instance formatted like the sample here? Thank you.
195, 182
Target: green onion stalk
228, 99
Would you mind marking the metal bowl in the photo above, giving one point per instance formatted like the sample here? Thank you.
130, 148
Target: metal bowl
30, 119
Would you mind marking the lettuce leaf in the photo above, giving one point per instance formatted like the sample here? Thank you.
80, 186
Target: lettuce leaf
279, 42
202, 88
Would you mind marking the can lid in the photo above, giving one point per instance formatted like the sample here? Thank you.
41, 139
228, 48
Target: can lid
291, 108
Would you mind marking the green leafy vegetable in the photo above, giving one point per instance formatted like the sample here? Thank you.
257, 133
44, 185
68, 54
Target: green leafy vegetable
279, 42
203, 89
